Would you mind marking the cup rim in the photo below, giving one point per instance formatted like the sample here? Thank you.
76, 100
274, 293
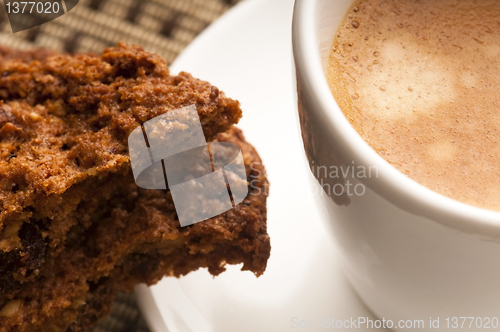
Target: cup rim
391, 183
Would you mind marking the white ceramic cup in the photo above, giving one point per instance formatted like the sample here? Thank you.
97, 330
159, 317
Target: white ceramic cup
410, 253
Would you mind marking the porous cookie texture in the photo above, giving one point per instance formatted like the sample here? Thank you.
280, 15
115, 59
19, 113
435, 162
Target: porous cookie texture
74, 227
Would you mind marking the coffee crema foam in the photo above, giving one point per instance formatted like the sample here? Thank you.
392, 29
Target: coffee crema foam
419, 80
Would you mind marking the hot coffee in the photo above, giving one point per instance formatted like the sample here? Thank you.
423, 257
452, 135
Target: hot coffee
418, 79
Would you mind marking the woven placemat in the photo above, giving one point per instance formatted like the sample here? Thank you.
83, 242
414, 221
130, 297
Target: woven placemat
164, 27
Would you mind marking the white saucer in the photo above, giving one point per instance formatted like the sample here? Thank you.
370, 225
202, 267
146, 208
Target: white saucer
247, 54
